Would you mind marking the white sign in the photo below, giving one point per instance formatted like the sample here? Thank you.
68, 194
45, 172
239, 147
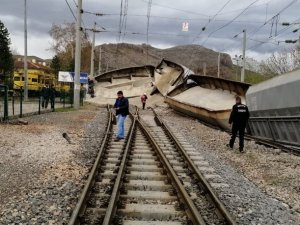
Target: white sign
64, 76
185, 26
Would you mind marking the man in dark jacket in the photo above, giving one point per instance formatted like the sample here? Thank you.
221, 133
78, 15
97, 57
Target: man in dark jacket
45, 96
52, 93
122, 110
238, 118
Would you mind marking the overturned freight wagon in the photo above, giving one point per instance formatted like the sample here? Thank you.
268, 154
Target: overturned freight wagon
129, 73
207, 98
275, 109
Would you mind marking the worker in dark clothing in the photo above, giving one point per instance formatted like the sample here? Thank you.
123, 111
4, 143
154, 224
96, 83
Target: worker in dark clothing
45, 96
122, 110
144, 99
91, 89
238, 118
52, 93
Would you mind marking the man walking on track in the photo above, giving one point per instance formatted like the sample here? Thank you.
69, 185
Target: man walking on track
238, 118
144, 99
122, 110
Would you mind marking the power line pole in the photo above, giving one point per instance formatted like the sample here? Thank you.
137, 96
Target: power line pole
77, 56
93, 53
204, 69
25, 53
219, 59
244, 57
99, 66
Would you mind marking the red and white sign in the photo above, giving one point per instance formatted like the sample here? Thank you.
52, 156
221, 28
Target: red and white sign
185, 26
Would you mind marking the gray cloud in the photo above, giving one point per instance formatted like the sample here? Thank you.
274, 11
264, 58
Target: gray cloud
165, 23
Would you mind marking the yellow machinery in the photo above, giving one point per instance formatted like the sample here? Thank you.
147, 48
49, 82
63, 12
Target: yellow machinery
37, 79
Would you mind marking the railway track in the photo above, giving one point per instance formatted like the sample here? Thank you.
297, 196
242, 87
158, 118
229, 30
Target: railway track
147, 179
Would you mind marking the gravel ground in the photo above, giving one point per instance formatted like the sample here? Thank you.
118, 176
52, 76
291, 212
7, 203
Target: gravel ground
41, 174
263, 182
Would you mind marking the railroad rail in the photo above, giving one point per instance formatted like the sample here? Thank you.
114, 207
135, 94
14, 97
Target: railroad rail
144, 179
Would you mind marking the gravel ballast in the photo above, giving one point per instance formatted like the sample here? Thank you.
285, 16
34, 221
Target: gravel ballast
41, 173
263, 182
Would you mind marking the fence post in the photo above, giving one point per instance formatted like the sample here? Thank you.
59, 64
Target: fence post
5, 102
64, 98
39, 103
13, 103
21, 102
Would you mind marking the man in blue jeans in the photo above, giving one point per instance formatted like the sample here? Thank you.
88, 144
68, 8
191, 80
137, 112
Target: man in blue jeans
122, 110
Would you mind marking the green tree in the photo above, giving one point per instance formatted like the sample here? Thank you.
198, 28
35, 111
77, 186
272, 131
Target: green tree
6, 58
55, 65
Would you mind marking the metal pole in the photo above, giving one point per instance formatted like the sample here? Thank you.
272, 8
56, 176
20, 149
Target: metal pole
25, 53
219, 58
204, 69
21, 102
93, 52
244, 57
99, 67
77, 56
5, 102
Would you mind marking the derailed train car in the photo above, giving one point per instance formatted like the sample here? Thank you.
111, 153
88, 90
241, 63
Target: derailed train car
275, 109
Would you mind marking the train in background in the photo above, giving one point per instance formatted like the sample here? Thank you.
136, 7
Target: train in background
39, 74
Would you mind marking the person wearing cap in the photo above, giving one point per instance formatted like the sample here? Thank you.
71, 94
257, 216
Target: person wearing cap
238, 118
144, 99
122, 110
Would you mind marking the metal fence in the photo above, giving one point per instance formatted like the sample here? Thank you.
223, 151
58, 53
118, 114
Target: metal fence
281, 129
12, 104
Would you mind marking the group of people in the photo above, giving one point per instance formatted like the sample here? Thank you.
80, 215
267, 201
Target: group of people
48, 93
238, 118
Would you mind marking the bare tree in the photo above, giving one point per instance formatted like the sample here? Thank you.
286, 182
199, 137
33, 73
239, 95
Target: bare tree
63, 45
281, 62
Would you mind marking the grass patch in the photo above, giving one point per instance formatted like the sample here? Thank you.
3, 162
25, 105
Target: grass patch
67, 109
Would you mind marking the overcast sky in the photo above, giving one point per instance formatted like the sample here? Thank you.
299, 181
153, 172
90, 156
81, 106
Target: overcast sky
165, 24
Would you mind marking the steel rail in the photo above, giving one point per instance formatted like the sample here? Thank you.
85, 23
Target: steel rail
112, 206
218, 203
195, 215
81, 204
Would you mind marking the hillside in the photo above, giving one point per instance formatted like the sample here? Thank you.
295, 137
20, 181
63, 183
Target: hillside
122, 55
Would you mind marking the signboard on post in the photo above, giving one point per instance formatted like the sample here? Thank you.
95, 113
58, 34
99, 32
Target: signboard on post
64, 76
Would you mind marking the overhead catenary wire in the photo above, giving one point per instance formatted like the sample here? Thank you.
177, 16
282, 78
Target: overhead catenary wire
269, 20
228, 23
71, 10
148, 24
212, 19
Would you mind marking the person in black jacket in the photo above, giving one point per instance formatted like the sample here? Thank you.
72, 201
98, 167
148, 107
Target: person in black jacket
238, 118
45, 96
52, 93
122, 110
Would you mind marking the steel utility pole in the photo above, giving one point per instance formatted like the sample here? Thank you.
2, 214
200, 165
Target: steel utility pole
244, 57
99, 66
93, 53
219, 59
77, 56
25, 53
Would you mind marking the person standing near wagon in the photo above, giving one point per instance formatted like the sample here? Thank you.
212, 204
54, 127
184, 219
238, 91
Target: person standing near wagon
122, 110
144, 99
238, 118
